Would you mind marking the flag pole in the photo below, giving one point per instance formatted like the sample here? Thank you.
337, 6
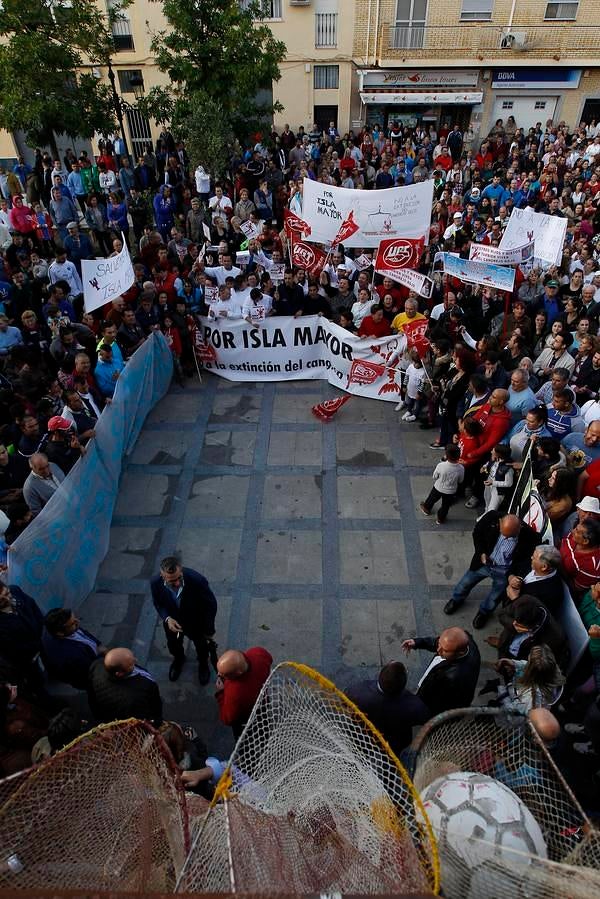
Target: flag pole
523, 469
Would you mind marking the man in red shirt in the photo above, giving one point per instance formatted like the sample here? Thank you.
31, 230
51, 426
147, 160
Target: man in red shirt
241, 676
375, 325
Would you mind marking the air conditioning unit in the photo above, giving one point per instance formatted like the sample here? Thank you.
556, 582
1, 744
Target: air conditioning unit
513, 40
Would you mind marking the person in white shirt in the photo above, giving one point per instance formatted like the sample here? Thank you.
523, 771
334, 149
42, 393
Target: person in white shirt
590, 411
447, 475
107, 180
415, 375
220, 205
257, 307
226, 306
63, 270
362, 306
202, 179
454, 227
223, 271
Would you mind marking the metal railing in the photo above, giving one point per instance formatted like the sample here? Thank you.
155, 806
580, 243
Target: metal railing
541, 40
326, 29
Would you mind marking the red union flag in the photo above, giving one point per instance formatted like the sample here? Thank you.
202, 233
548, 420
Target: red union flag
308, 257
203, 351
293, 224
347, 229
363, 372
327, 409
400, 252
415, 336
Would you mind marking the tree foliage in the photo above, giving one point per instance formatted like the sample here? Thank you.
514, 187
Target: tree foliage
45, 44
207, 134
220, 49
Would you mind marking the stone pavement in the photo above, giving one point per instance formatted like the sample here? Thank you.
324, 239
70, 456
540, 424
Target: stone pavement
309, 534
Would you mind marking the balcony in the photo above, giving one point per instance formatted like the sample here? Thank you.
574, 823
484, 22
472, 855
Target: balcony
325, 29
121, 34
481, 41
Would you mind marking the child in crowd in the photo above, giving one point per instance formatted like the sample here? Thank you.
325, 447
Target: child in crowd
413, 398
447, 477
499, 477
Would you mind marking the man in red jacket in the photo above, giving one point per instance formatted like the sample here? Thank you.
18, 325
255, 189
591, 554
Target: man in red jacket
241, 676
495, 418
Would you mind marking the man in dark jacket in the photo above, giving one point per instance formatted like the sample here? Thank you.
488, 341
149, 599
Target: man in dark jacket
450, 679
388, 705
20, 636
503, 546
527, 623
118, 689
187, 607
67, 649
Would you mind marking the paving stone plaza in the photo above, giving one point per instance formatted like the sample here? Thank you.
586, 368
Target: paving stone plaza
309, 534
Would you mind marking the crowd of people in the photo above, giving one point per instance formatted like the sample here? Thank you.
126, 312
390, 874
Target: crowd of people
508, 380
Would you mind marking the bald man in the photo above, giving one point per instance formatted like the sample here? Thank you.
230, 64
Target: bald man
450, 679
241, 676
119, 688
503, 546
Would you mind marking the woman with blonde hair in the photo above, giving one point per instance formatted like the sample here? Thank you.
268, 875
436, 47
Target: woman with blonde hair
534, 683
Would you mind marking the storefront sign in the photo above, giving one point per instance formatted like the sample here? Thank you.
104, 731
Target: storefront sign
447, 98
540, 79
420, 78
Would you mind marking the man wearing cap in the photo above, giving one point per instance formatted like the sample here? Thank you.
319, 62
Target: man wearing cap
587, 507
77, 246
549, 301
61, 445
108, 370
43, 482
456, 225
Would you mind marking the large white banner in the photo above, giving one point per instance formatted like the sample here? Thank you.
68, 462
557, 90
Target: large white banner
106, 279
380, 214
284, 348
497, 276
548, 232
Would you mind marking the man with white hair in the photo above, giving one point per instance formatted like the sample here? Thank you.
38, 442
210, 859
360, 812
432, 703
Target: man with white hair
42, 483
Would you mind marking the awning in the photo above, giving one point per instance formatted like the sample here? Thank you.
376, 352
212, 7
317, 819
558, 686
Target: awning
445, 98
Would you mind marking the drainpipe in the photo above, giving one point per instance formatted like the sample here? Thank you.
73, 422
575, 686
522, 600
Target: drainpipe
377, 28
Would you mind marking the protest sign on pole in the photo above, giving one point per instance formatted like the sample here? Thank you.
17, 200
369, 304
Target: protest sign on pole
400, 252
497, 276
293, 224
285, 348
346, 230
106, 279
480, 252
547, 231
421, 284
379, 214
206, 231
276, 272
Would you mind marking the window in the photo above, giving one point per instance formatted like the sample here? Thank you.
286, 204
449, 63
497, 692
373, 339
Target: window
129, 79
271, 8
562, 11
326, 77
326, 29
121, 30
409, 30
476, 10
540, 104
507, 104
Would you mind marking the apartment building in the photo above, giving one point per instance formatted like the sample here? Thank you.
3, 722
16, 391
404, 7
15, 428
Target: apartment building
475, 61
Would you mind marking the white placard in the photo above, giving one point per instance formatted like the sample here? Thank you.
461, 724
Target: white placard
106, 279
548, 232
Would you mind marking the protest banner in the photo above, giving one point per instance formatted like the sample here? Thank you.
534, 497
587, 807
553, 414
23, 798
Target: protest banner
242, 258
363, 262
308, 257
480, 252
311, 347
497, 276
421, 284
106, 279
211, 294
379, 214
346, 230
400, 252
415, 335
250, 230
547, 231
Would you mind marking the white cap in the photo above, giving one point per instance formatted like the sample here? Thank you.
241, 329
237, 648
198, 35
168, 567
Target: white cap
589, 504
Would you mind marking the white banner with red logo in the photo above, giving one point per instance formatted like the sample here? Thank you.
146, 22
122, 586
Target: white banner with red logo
379, 214
308, 257
480, 252
547, 231
421, 284
284, 348
400, 252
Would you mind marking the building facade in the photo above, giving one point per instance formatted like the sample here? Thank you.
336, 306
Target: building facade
476, 61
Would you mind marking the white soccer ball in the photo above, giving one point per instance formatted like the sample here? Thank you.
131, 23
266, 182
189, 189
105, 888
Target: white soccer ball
477, 822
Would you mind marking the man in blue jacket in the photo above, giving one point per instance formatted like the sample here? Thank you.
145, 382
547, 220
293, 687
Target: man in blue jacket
67, 649
187, 606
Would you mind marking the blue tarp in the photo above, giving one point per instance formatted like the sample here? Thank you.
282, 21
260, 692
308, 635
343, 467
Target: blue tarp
56, 559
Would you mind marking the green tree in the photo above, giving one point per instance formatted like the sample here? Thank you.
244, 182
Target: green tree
45, 45
219, 51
